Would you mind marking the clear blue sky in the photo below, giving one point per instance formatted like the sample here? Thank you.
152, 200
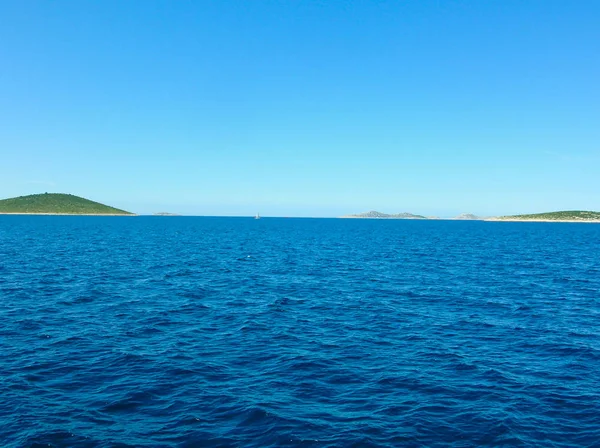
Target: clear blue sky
303, 108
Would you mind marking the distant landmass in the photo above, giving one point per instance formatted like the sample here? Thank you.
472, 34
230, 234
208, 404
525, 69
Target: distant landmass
165, 214
378, 215
56, 204
564, 216
468, 217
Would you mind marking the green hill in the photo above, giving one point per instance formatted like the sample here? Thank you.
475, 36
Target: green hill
56, 203
572, 215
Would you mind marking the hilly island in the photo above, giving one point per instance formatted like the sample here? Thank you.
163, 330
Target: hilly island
56, 204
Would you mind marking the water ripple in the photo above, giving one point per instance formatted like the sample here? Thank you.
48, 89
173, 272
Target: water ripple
228, 332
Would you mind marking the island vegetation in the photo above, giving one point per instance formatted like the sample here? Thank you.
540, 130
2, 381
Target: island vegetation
56, 204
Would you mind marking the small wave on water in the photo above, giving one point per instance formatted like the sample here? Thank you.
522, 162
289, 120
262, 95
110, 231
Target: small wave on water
223, 332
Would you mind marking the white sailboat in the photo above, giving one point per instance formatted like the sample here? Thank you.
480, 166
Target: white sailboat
257, 216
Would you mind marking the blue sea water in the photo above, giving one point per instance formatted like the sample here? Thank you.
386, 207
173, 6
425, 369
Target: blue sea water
232, 332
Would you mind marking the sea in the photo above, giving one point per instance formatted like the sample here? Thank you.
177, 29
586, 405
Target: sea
235, 332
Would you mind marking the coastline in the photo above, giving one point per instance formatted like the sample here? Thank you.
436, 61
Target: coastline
582, 221
381, 218
67, 214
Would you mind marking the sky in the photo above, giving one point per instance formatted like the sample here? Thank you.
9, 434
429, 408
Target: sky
303, 108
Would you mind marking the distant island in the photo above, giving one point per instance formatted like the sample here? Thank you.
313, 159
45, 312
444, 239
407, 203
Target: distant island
468, 217
165, 214
564, 216
378, 215
56, 204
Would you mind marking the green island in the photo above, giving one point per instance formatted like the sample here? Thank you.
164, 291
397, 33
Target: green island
567, 216
56, 204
